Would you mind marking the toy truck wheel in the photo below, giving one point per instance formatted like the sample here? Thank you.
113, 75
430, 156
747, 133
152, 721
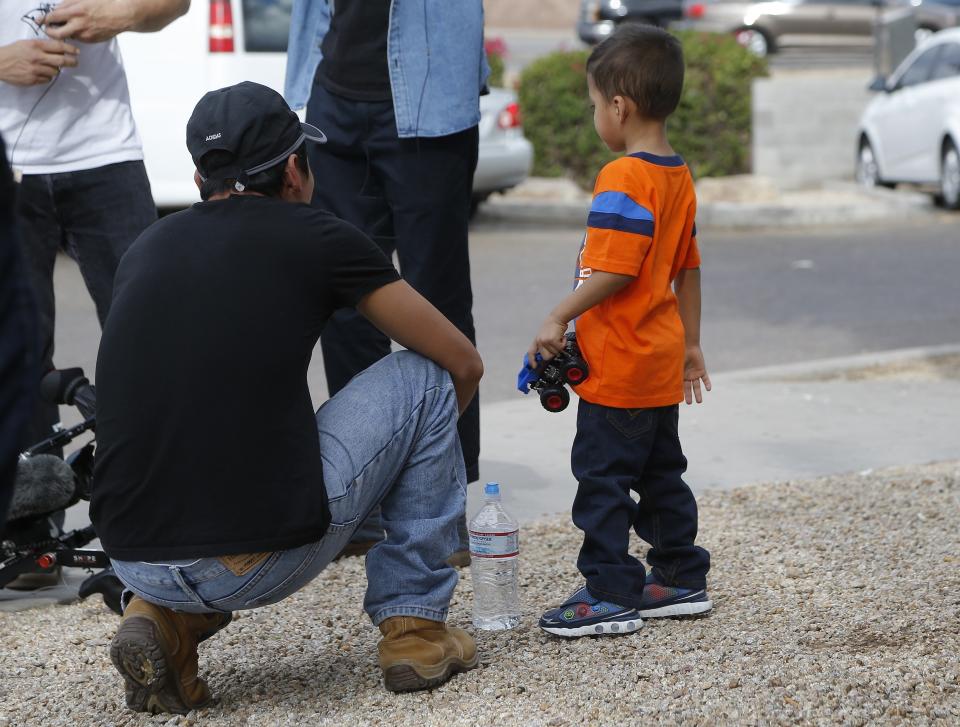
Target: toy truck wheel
574, 372
554, 399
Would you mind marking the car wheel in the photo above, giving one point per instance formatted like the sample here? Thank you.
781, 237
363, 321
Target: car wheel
950, 176
475, 203
755, 41
868, 170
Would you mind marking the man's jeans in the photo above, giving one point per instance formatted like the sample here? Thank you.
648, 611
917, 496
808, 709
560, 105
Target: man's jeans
388, 438
617, 451
93, 215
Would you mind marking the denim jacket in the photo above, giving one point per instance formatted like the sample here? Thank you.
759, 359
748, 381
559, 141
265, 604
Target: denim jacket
436, 61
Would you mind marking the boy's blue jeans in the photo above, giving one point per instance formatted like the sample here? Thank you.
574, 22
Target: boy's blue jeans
389, 438
616, 452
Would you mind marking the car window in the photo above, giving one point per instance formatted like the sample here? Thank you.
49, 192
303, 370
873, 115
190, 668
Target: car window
948, 64
266, 24
919, 70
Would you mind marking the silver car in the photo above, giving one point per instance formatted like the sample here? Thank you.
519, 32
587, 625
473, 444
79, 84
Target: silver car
763, 27
505, 155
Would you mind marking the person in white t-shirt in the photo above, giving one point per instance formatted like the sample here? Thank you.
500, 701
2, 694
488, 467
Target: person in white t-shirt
73, 145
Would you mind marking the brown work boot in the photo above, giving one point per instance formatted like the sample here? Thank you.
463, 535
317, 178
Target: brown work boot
358, 547
155, 650
460, 559
416, 653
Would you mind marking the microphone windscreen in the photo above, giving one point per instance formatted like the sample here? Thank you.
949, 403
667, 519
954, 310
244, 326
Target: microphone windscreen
44, 484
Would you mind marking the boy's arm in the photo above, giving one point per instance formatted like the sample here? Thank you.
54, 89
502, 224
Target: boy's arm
687, 288
598, 287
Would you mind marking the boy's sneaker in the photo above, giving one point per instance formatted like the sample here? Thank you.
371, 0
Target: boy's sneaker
660, 601
584, 615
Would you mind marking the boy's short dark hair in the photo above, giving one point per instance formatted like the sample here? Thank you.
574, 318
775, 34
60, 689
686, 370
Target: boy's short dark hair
643, 63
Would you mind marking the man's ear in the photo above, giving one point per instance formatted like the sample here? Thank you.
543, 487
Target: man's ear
292, 178
196, 179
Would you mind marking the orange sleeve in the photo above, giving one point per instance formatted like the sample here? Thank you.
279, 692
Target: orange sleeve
692, 258
620, 225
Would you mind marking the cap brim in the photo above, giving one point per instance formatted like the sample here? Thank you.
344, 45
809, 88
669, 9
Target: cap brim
313, 133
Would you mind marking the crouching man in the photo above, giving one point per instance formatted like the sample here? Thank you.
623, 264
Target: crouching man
217, 487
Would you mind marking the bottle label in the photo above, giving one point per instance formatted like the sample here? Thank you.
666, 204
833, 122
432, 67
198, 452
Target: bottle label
494, 545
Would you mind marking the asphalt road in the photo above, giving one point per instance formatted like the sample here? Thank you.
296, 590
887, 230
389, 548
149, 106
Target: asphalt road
769, 297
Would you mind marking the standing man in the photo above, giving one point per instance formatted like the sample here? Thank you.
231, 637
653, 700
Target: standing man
73, 145
396, 87
18, 376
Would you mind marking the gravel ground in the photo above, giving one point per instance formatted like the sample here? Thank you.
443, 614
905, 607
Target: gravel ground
836, 601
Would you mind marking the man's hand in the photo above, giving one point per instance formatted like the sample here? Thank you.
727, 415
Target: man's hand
694, 371
96, 21
89, 21
548, 342
30, 62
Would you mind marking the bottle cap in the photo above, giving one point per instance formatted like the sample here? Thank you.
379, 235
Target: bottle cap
492, 488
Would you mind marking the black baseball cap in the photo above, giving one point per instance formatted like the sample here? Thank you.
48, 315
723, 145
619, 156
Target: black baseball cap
253, 123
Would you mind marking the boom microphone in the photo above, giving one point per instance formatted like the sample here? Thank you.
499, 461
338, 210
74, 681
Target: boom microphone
44, 484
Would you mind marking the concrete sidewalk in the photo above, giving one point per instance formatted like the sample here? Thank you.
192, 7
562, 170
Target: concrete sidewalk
760, 425
737, 202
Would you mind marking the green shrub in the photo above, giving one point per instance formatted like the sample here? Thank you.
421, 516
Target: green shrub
710, 129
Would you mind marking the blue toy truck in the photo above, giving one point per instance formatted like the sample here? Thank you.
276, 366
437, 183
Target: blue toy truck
549, 378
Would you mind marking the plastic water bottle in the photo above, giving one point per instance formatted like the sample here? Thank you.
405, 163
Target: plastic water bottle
494, 556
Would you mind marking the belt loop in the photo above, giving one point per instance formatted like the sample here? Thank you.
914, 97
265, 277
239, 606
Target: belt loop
178, 577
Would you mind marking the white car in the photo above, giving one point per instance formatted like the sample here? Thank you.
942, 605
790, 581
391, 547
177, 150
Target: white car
222, 42
911, 131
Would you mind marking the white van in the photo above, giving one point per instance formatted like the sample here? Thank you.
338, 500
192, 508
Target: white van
222, 42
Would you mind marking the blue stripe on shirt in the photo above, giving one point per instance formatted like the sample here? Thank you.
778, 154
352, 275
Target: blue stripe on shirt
608, 221
618, 203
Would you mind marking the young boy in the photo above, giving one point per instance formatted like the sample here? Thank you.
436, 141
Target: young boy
641, 341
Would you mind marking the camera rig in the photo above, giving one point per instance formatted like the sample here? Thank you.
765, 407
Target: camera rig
34, 538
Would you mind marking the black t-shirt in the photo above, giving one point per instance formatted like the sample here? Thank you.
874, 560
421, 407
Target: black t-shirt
354, 63
207, 442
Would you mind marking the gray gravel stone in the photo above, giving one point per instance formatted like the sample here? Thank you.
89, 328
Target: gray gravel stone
835, 603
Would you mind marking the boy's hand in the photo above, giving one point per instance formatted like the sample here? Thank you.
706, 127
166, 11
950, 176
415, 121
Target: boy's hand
549, 341
694, 370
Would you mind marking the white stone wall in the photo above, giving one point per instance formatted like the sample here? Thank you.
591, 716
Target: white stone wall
805, 125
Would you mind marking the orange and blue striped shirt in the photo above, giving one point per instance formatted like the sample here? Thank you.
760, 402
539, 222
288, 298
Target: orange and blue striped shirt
641, 224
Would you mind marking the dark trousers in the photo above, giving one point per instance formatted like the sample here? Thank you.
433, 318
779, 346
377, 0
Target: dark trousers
18, 375
93, 215
412, 196
622, 451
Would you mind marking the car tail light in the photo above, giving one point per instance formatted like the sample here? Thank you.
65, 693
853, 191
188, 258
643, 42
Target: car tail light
694, 11
509, 118
221, 26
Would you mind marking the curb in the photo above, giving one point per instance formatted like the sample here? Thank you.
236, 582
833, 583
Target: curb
874, 206
839, 364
